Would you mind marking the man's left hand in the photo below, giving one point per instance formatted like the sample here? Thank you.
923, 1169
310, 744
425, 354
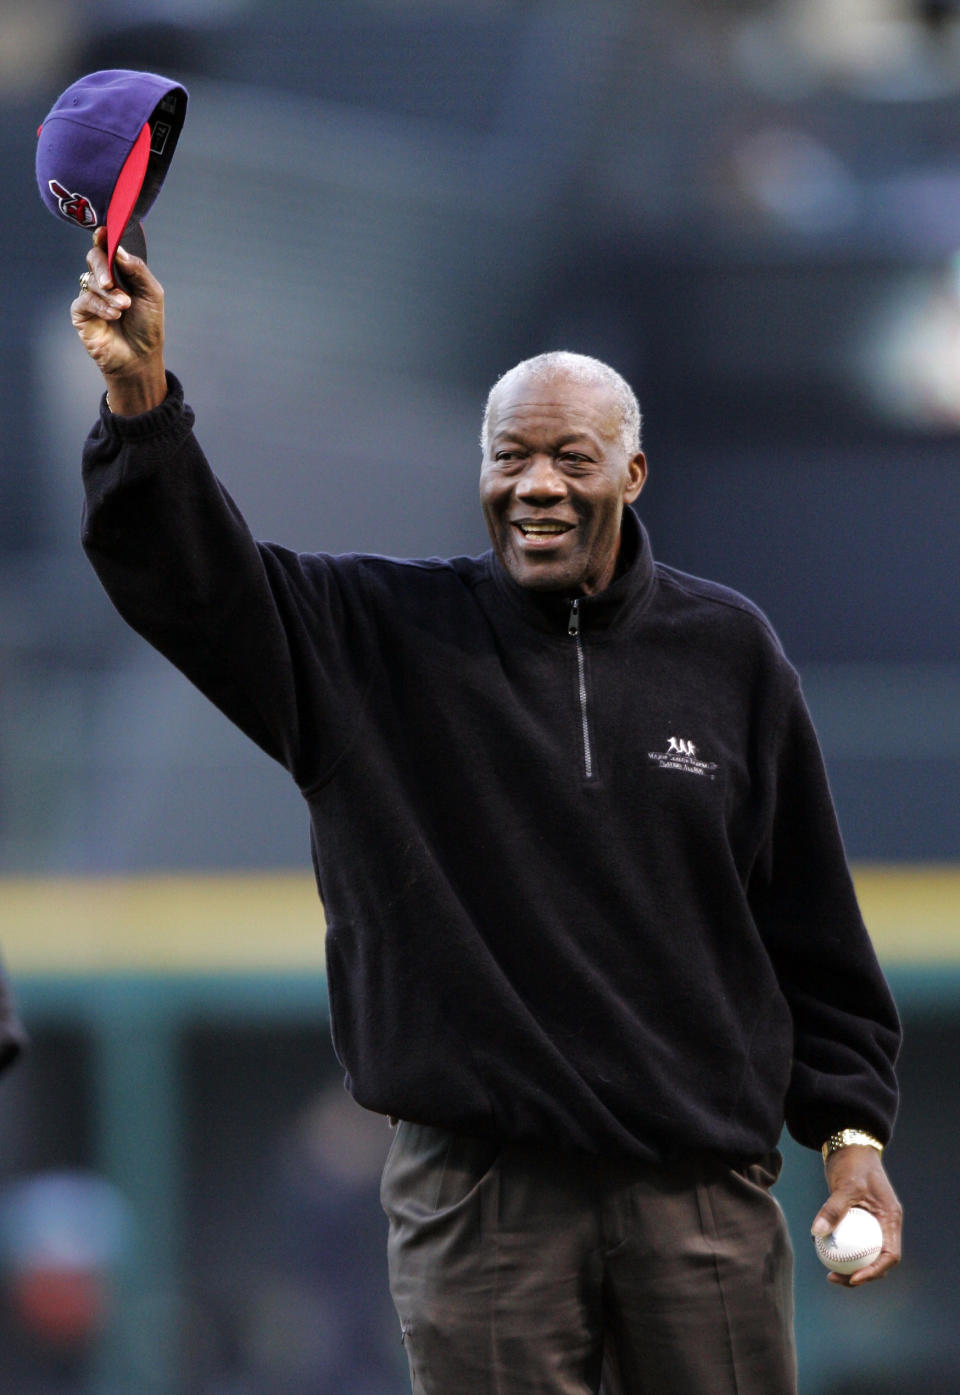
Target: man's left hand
856, 1177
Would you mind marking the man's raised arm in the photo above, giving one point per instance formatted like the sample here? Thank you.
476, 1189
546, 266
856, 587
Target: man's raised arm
172, 550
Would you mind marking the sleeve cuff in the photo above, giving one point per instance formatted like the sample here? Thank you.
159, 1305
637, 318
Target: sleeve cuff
171, 414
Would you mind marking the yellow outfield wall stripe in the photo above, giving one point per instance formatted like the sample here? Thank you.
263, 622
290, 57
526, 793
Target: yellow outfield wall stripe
175, 924
912, 911
274, 921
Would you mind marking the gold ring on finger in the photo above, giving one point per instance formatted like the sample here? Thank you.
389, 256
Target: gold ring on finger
85, 281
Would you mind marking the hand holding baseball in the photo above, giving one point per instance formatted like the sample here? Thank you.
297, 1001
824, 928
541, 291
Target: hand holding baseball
122, 332
856, 1177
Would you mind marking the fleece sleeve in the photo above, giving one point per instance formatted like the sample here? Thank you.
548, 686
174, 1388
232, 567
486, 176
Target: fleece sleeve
257, 628
846, 1029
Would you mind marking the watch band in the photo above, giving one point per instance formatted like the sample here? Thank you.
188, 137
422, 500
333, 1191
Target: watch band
848, 1138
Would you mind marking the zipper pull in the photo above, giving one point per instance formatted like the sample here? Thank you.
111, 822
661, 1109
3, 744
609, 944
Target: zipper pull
573, 624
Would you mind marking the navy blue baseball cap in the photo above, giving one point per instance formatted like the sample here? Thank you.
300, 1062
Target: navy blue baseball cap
104, 149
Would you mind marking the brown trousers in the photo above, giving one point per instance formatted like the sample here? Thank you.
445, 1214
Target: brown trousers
520, 1272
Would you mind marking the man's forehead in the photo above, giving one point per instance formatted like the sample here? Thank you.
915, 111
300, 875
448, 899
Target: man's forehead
566, 403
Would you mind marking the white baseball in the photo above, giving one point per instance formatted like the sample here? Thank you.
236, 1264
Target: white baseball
855, 1243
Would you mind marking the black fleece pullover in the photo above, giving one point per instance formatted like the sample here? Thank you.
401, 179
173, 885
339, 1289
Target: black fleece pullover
582, 876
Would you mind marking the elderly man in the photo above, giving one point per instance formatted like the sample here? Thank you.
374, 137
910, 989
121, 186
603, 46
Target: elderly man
591, 935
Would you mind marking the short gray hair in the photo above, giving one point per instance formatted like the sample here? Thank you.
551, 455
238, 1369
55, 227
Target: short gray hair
581, 368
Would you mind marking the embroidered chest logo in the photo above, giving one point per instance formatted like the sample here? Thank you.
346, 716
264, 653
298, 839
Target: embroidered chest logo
681, 754
679, 747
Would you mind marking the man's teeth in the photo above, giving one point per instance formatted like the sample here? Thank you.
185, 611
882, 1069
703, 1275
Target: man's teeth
535, 528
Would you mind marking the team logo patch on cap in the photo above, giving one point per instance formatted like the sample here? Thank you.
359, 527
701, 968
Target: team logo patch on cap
73, 206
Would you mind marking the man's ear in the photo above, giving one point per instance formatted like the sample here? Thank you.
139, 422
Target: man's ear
637, 472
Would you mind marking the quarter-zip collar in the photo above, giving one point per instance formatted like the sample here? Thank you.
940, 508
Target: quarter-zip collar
627, 596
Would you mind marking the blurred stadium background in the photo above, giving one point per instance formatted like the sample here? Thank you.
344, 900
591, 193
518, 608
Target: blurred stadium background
750, 207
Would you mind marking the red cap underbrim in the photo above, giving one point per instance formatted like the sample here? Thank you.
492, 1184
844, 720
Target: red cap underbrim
126, 191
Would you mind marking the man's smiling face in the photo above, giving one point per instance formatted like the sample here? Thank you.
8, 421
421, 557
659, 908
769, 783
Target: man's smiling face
555, 478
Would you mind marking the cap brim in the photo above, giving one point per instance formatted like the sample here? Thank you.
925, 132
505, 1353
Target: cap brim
134, 242
126, 191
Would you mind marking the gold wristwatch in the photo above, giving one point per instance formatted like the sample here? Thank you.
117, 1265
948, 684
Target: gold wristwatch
849, 1138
